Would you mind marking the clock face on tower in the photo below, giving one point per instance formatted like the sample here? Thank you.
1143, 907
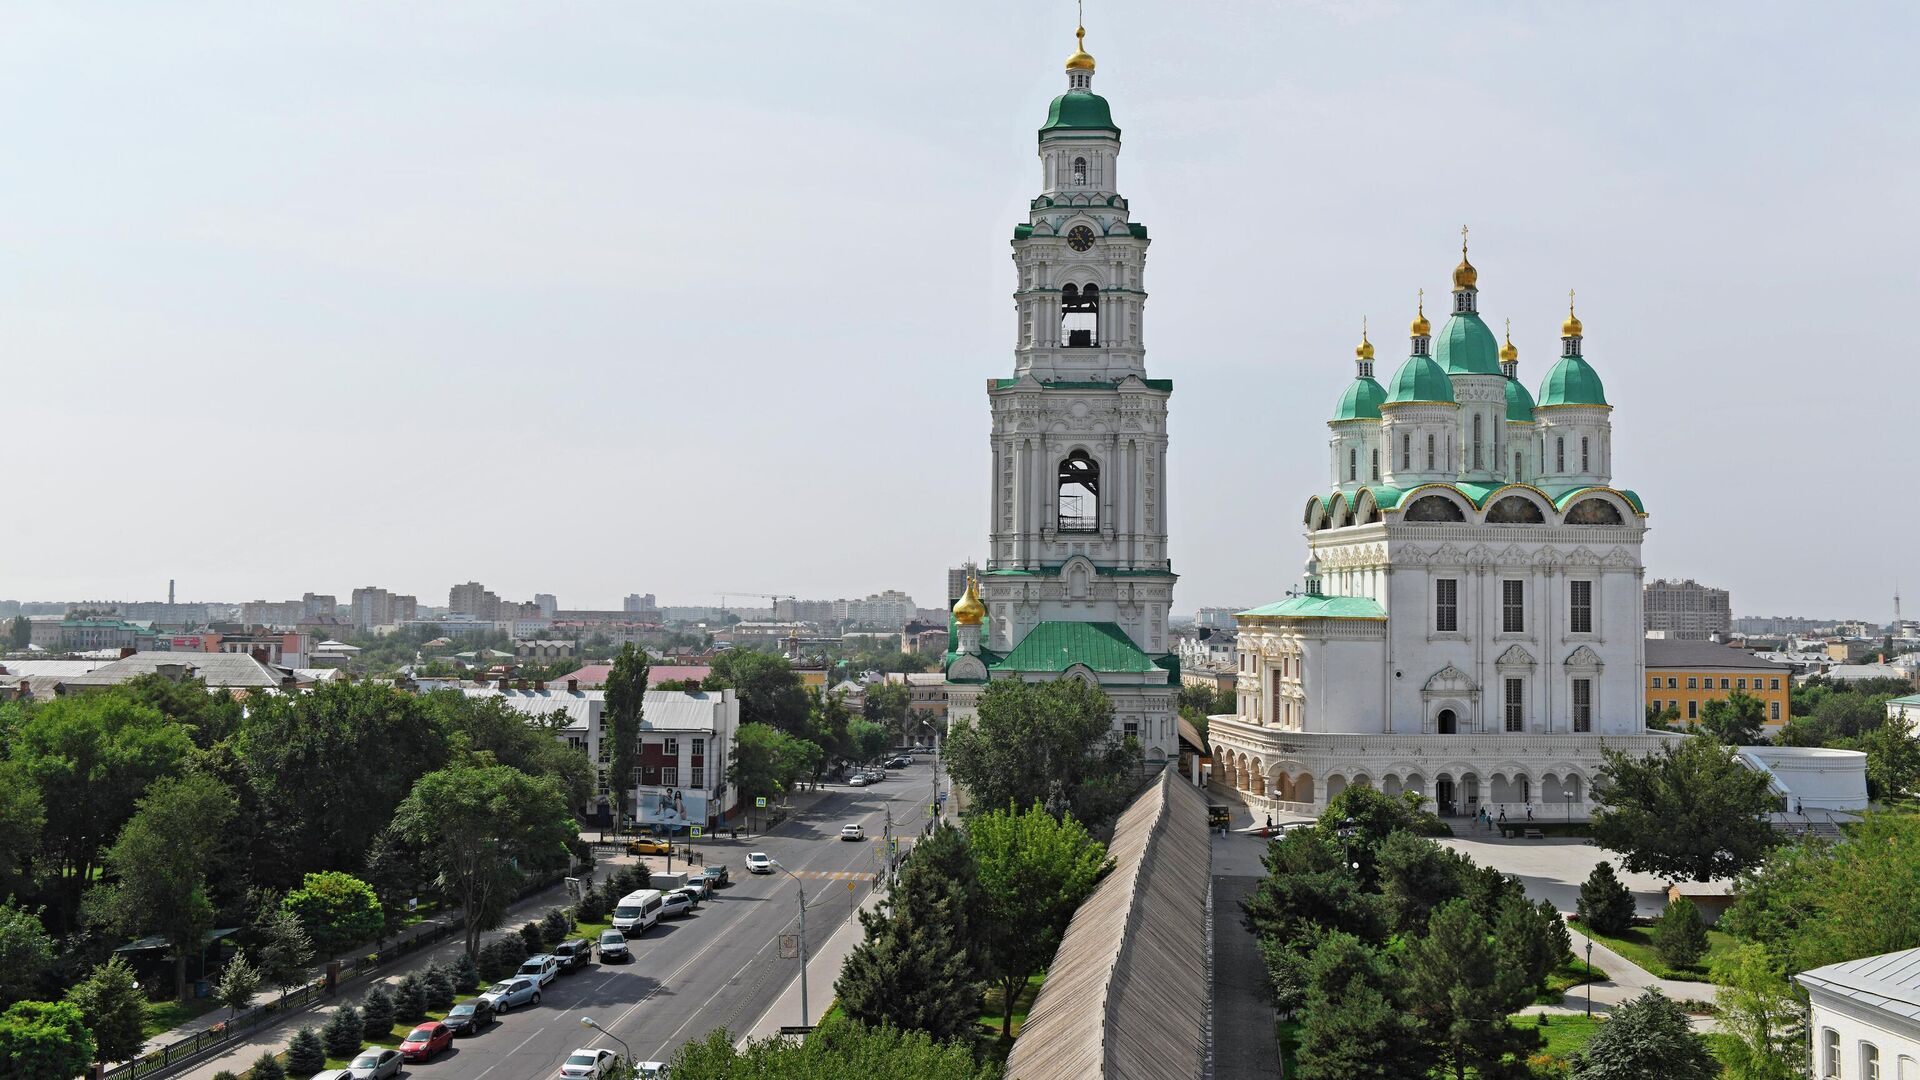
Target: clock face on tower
1079, 238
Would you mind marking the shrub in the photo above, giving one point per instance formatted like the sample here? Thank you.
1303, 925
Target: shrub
1678, 935
410, 1000
438, 984
337, 909
306, 1055
591, 908
223, 1074
502, 957
1604, 904
535, 937
555, 926
466, 974
376, 1013
267, 1067
342, 1033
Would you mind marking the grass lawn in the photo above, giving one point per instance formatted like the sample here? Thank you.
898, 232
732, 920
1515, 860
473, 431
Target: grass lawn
992, 1009
1569, 974
1637, 946
1565, 1035
167, 1015
1288, 1033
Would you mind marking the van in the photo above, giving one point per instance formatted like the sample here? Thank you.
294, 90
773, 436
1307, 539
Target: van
636, 911
667, 882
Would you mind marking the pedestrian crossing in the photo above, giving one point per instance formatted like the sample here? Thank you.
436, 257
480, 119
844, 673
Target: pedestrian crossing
833, 875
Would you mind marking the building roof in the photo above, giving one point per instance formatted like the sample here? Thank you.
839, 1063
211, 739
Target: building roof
1857, 672
1664, 653
1127, 994
663, 710
1465, 346
1320, 607
48, 669
235, 670
1361, 400
1519, 402
1079, 110
1059, 645
1419, 379
1572, 381
593, 675
1889, 982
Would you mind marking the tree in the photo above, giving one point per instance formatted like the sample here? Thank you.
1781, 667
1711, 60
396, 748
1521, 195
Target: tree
409, 1000
768, 762
489, 727
159, 865
1530, 940
887, 704
438, 984
1735, 720
1353, 1029
626, 694
1415, 875
377, 1013
1689, 811
286, 950
42, 1039
1362, 817
1893, 761
20, 632
239, 982
1035, 869
1310, 887
1605, 904
1813, 903
535, 937
342, 1032
555, 926
838, 1049
914, 970
306, 1054
337, 909
502, 957
1648, 1036
1678, 934
266, 1067
770, 692
1461, 993
867, 740
114, 1009
23, 815
1051, 743
1761, 1013
26, 953
485, 828
466, 974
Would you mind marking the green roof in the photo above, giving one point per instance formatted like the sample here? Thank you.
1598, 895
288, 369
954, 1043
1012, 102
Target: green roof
1079, 110
1563, 496
1419, 379
1519, 402
1021, 232
1321, 607
1057, 646
1361, 401
1572, 381
1466, 347
1476, 493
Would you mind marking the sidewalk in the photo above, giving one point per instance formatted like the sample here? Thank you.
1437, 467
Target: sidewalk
823, 970
1626, 981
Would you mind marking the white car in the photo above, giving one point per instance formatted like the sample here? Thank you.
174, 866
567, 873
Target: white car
542, 968
677, 902
853, 832
857, 781
586, 1064
758, 863
652, 1070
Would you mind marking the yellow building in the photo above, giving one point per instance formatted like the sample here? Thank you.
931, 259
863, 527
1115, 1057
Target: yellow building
1685, 675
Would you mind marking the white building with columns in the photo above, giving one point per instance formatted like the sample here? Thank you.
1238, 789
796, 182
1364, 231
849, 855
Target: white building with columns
1077, 582
1470, 625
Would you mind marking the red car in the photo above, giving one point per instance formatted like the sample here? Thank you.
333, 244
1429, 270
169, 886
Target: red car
426, 1040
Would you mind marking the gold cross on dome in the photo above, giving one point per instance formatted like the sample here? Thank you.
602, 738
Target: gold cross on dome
1569, 301
1463, 239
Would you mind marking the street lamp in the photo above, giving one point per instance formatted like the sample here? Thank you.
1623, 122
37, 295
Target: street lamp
803, 938
1569, 798
587, 1022
1589, 978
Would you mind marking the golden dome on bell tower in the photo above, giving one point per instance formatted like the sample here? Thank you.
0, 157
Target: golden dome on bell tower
1464, 275
1081, 60
969, 611
1571, 327
1364, 350
1509, 352
1420, 327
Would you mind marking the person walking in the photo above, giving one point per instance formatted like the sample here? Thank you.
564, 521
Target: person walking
1529, 811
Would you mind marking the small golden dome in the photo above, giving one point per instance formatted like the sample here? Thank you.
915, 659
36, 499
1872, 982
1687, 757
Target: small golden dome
1081, 60
1420, 327
1364, 350
1570, 328
970, 611
1509, 352
1464, 275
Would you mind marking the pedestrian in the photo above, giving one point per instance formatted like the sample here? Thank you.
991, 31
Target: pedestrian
1269, 822
1529, 811
1503, 815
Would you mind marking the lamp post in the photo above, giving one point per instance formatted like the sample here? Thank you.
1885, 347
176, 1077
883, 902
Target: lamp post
1589, 978
803, 939
1569, 798
587, 1022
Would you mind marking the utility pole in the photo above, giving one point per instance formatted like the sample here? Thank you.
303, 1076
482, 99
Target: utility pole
803, 942
886, 838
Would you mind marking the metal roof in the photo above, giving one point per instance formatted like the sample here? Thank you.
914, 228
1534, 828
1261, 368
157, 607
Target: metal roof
1889, 982
1057, 645
1127, 995
1698, 655
215, 669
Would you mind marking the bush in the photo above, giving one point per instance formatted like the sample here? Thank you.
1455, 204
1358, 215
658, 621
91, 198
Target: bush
225, 1075
410, 1000
338, 910
376, 1013
306, 1055
438, 984
267, 1067
1604, 904
466, 974
1678, 935
502, 957
591, 908
555, 926
342, 1033
535, 937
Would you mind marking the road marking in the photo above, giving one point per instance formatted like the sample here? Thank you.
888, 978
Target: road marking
510, 1053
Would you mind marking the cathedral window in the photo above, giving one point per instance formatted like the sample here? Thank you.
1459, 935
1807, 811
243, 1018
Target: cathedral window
1476, 443
1583, 454
1513, 606
1518, 473
1515, 510
1580, 607
1583, 704
1446, 605
1079, 493
1406, 451
1430, 458
1353, 464
1559, 450
1080, 172
1434, 508
1376, 464
1594, 512
1515, 704
1080, 316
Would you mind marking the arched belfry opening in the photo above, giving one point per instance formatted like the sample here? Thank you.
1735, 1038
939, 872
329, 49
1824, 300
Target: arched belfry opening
1080, 316
1079, 172
1079, 493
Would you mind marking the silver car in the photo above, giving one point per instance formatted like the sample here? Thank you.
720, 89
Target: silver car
518, 990
375, 1063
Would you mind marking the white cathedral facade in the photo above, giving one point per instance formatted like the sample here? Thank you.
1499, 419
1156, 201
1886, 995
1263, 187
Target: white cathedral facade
1470, 622
1077, 582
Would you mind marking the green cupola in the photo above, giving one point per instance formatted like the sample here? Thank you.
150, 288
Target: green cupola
1572, 381
1079, 109
1364, 395
1519, 401
1466, 346
1419, 379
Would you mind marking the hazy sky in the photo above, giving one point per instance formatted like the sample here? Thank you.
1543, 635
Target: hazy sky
589, 298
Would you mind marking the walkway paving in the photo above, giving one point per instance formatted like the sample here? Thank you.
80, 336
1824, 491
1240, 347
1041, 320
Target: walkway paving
1245, 1043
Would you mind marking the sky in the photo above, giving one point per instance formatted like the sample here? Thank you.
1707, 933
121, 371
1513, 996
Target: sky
593, 298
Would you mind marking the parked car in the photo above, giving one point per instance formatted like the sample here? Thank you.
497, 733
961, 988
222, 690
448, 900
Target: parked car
518, 990
573, 955
636, 911
426, 1040
700, 887
542, 967
856, 780
588, 1064
899, 762
758, 863
853, 832
677, 902
651, 1070
613, 947
649, 845
716, 875
468, 1017
336, 1074
375, 1064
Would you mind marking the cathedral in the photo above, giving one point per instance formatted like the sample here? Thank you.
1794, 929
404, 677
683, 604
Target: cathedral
1077, 582
1469, 626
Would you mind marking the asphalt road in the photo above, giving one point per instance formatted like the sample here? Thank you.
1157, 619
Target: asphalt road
717, 968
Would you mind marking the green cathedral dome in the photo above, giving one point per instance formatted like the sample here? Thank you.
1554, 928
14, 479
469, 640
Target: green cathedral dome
1361, 401
1079, 110
1466, 347
1572, 381
1519, 402
1419, 379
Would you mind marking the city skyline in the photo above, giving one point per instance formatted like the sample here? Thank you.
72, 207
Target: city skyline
410, 257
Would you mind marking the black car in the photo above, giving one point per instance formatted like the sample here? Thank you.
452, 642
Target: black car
574, 955
469, 1017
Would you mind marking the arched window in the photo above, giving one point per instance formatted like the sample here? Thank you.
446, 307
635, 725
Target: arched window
1376, 463
1583, 455
1406, 450
1869, 1061
1079, 172
1429, 451
1353, 464
1080, 316
1560, 454
1518, 472
1434, 508
1476, 442
1078, 494
1514, 510
1829, 1052
1594, 512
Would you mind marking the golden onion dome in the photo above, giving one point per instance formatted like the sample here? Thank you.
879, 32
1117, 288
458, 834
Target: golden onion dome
1464, 275
1509, 352
1420, 327
1081, 60
1570, 328
969, 611
1364, 350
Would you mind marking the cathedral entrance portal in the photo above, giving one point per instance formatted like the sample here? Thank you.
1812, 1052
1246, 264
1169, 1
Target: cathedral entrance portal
1443, 794
1449, 723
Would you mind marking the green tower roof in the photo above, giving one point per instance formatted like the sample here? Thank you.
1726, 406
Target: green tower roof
1419, 379
1361, 401
1466, 347
1519, 401
1572, 381
1079, 110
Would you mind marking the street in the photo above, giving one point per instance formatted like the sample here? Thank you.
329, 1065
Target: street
718, 967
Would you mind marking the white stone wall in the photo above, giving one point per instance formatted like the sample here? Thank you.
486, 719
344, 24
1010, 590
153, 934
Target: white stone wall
1859, 1026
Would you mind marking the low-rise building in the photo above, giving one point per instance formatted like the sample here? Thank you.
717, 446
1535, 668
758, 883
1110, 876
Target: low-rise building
1901, 710
239, 672
545, 650
1864, 1016
1685, 675
1866, 672
926, 707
